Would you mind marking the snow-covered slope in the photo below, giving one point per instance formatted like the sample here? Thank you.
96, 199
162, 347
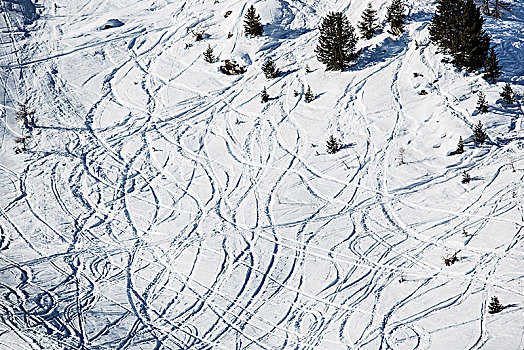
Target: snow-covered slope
162, 205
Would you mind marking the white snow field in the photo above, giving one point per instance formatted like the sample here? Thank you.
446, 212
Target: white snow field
161, 205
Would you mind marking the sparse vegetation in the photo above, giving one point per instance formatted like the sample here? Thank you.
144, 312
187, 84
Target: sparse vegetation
482, 105
479, 135
308, 96
495, 306
466, 178
270, 69
507, 94
332, 145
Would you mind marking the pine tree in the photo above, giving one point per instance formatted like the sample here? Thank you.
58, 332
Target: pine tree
466, 178
264, 96
479, 135
460, 146
332, 145
482, 105
492, 68
368, 26
208, 55
270, 69
442, 27
457, 29
309, 95
337, 42
252, 24
470, 45
396, 15
495, 306
507, 94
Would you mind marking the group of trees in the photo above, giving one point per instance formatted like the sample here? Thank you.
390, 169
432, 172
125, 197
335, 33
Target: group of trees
337, 42
457, 28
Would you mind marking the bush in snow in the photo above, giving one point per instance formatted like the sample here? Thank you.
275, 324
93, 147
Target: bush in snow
479, 135
332, 145
482, 105
26, 116
23, 144
308, 96
264, 96
270, 69
460, 147
252, 24
507, 94
208, 55
495, 306
396, 15
466, 178
337, 42
368, 25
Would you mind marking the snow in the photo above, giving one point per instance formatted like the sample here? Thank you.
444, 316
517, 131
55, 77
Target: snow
163, 205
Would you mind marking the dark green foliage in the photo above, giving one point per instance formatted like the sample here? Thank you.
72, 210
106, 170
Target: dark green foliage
460, 146
368, 25
252, 24
208, 55
396, 15
495, 306
332, 145
479, 135
270, 69
308, 96
482, 105
507, 94
336, 45
466, 178
264, 96
492, 68
457, 29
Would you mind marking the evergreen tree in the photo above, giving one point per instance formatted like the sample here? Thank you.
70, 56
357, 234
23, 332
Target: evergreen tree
208, 55
495, 306
270, 69
264, 96
368, 25
482, 105
332, 145
479, 135
309, 95
492, 68
470, 46
507, 94
442, 28
252, 24
336, 45
396, 15
466, 178
457, 29
460, 146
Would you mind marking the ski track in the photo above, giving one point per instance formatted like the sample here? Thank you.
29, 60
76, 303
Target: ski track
160, 210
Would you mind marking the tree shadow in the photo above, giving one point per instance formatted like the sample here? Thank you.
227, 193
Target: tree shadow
382, 52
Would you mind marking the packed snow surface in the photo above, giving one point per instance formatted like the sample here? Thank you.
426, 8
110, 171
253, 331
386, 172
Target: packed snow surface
161, 205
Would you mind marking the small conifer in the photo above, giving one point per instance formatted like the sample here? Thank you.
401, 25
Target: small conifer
492, 68
479, 135
264, 96
368, 25
332, 145
209, 57
270, 69
507, 94
252, 23
495, 306
308, 96
460, 146
482, 105
466, 178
